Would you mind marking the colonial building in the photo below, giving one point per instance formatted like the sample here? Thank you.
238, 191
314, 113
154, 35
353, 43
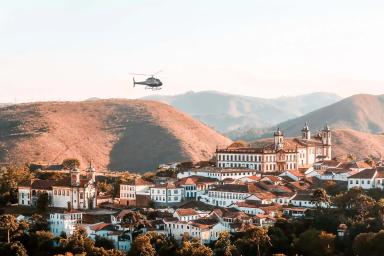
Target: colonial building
130, 190
65, 222
281, 155
75, 191
167, 193
367, 179
219, 173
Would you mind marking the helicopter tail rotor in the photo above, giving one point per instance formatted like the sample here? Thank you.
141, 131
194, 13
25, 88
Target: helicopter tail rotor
134, 82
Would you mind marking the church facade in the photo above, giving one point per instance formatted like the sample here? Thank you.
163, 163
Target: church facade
75, 191
280, 155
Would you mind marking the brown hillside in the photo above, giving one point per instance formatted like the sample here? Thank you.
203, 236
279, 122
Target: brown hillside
360, 112
359, 144
116, 134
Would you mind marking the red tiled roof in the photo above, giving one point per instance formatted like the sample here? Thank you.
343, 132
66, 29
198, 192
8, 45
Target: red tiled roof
364, 174
186, 212
99, 226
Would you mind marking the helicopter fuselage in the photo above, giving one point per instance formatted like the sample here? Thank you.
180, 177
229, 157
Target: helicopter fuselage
151, 82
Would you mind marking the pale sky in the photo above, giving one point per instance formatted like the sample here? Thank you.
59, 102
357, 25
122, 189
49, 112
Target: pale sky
73, 50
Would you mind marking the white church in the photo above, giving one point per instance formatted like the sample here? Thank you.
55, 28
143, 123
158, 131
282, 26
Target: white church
280, 155
75, 191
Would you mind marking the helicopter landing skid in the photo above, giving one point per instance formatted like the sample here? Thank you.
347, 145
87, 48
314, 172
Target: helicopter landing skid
152, 88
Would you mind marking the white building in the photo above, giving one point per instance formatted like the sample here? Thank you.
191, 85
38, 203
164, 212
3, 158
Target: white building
75, 191
219, 173
227, 194
255, 208
282, 154
167, 193
121, 237
195, 186
186, 214
367, 179
65, 222
129, 190
206, 230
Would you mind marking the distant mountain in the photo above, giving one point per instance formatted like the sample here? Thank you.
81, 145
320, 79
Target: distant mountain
134, 135
362, 112
227, 112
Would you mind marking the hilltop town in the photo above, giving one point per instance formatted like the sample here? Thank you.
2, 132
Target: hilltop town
276, 196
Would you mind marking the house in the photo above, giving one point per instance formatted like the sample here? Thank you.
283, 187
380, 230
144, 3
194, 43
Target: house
186, 214
227, 194
294, 175
305, 200
219, 173
295, 212
337, 174
364, 179
194, 186
167, 193
206, 230
77, 191
64, 222
129, 190
229, 216
121, 237
255, 208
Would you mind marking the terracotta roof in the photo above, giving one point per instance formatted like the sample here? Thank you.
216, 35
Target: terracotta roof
364, 174
237, 188
168, 185
355, 164
192, 180
100, 226
296, 173
299, 185
272, 178
186, 212
254, 204
264, 195
42, 184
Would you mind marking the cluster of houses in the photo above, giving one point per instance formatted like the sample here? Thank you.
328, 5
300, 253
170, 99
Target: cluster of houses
248, 186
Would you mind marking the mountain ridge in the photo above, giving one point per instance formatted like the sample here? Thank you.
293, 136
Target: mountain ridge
116, 134
226, 112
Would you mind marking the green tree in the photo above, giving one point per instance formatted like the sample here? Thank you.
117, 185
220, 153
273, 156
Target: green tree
279, 241
42, 242
10, 178
255, 239
16, 249
70, 163
142, 246
78, 242
104, 242
223, 245
316, 243
38, 223
320, 197
194, 248
163, 245
9, 225
43, 201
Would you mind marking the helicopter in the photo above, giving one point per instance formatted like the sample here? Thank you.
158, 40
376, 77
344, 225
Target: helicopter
150, 83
